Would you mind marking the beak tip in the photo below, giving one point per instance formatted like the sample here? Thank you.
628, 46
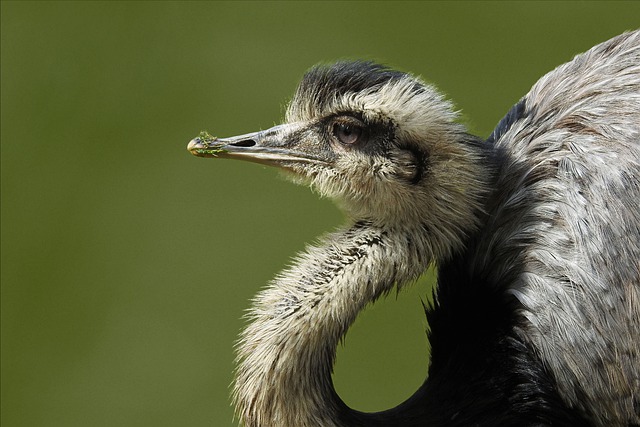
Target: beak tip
203, 144
195, 144
205, 147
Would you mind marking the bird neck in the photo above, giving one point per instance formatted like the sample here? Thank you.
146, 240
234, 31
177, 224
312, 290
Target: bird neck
286, 354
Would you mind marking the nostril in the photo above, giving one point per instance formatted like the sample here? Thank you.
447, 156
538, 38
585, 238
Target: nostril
244, 143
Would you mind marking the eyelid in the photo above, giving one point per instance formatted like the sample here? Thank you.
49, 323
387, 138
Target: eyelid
349, 120
345, 120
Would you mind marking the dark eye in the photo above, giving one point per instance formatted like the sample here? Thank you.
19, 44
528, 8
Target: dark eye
347, 133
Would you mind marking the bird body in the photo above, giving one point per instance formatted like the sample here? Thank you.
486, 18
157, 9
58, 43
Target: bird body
535, 233
577, 142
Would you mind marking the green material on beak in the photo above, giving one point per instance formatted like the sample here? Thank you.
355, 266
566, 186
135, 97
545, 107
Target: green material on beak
206, 145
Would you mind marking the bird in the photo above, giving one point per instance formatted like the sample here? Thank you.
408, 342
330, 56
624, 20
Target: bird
534, 232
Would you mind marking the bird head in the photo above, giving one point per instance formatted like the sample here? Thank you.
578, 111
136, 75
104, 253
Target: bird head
383, 144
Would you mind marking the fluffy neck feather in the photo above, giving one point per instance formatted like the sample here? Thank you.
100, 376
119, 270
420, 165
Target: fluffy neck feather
286, 354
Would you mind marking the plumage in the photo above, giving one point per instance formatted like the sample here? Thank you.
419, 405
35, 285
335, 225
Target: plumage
535, 232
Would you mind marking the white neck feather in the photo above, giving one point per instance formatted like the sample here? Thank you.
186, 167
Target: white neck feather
286, 354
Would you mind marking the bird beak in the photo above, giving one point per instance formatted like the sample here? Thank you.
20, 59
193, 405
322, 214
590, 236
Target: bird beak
275, 147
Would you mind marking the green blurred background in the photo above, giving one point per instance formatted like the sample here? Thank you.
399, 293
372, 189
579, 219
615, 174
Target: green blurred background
127, 263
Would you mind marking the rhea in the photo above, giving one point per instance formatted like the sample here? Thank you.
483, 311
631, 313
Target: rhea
535, 232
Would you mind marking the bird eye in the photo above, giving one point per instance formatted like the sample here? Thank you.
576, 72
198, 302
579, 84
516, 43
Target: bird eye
347, 133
